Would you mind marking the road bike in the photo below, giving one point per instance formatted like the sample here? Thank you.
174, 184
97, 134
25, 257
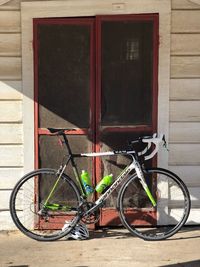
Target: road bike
153, 203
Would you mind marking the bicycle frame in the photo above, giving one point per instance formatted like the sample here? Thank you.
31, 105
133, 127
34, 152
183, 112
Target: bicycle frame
61, 216
134, 165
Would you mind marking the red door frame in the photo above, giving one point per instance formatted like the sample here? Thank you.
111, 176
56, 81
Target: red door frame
110, 215
95, 89
81, 131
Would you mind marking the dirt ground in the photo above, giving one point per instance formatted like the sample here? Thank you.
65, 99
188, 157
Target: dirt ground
107, 247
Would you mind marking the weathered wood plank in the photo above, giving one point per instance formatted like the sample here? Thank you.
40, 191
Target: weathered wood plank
185, 21
11, 5
194, 217
184, 132
10, 44
189, 174
185, 67
185, 89
184, 154
10, 111
6, 222
11, 155
9, 21
176, 196
10, 90
184, 4
9, 177
4, 199
195, 196
184, 111
15, 4
184, 44
11, 133
10, 68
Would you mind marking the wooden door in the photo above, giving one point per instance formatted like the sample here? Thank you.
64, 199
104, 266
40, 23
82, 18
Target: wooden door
64, 88
99, 76
126, 90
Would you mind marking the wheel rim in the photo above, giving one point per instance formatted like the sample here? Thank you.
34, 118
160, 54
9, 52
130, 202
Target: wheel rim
29, 213
144, 220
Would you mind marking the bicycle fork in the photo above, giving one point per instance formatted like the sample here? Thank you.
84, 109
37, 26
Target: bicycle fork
143, 182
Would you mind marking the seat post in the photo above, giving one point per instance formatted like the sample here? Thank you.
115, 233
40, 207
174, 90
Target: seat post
67, 144
74, 167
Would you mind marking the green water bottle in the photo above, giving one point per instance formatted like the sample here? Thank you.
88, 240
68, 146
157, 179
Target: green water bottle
87, 183
105, 182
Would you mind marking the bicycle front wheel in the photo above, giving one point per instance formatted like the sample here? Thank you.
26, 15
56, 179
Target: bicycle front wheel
161, 221
35, 213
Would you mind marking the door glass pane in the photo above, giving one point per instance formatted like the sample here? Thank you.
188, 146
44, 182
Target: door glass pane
63, 75
127, 62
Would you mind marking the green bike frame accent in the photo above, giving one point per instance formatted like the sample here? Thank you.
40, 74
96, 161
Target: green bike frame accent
150, 195
54, 187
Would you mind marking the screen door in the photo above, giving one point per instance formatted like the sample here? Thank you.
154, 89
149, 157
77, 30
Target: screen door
98, 76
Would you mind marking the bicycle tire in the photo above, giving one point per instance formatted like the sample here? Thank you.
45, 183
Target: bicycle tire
27, 199
139, 216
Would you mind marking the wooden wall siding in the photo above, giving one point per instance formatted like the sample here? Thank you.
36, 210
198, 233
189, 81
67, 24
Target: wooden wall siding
9, 177
185, 67
185, 111
185, 21
10, 68
189, 174
4, 199
11, 133
184, 44
11, 128
184, 132
10, 111
194, 196
184, 4
10, 90
11, 5
185, 89
15, 4
10, 21
184, 155
194, 193
12, 156
194, 216
10, 44
6, 222
184, 126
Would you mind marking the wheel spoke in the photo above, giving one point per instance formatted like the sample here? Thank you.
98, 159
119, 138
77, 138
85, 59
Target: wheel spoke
170, 213
28, 198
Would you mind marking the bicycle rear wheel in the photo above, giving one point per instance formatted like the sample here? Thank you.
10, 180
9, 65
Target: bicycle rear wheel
172, 205
37, 219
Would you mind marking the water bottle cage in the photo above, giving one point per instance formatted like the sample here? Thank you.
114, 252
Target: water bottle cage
106, 188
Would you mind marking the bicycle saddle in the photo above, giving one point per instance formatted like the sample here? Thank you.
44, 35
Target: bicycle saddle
59, 131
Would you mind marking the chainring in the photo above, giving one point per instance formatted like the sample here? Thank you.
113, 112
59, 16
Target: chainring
92, 217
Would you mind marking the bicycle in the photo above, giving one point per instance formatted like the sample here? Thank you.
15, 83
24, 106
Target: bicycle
152, 203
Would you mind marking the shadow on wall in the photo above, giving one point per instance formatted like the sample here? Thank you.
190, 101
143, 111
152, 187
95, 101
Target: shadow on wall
64, 58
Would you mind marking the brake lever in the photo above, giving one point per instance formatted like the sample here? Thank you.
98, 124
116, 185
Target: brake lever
165, 143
